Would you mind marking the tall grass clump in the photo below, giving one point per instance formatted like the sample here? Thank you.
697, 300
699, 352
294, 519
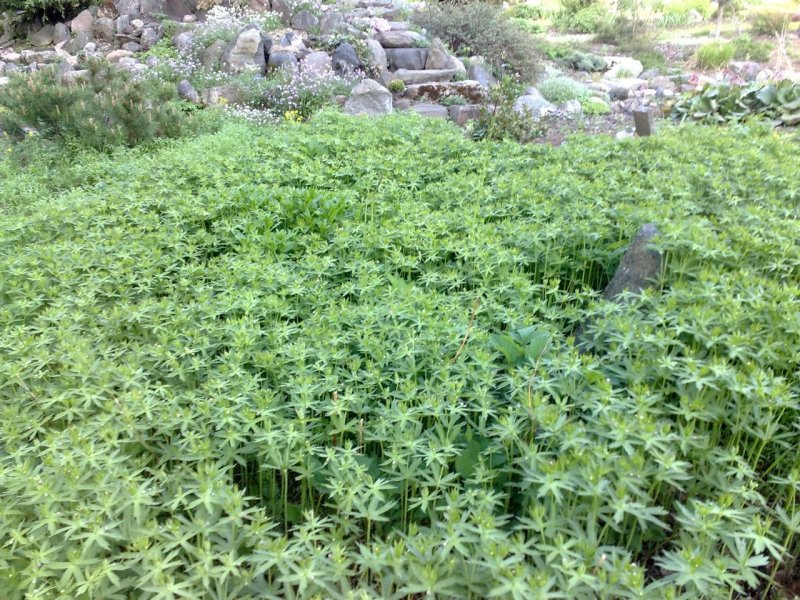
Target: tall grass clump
715, 55
260, 364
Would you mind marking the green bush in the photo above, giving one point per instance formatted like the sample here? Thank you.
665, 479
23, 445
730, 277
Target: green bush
770, 23
26, 10
260, 364
715, 55
479, 28
560, 89
109, 109
589, 19
525, 11
676, 13
746, 48
501, 121
397, 86
594, 106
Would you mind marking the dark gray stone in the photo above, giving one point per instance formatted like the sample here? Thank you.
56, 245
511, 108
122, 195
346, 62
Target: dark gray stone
131, 47
345, 60
187, 92
44, 37
640, 266
407, 58
279, 60
61, 33
644, 121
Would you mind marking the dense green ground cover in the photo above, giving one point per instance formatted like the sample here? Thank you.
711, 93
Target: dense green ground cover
260, 363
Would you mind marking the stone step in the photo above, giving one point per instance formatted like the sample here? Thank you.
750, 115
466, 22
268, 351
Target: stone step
411, 77
435, 91
400, 39
433, 111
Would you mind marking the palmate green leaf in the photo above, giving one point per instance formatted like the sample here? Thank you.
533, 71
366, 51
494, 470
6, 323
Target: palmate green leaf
511, 349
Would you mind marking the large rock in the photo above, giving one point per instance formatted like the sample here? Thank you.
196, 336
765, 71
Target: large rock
246, 53
623, 67
345, 60
400, 39
640, 266
149, 38
281, 60
620, 89
461, 114
440, 58
377, 61
480, 71
411, 77
407, 58
369, 98
318, 62
104, 30
427, 109
331, 22
43, 37
211, 57
152, 7
83, 22
187, 92
78, 43
183, 41
132, 8
283, 9
60, 33
472, 91
123, 25
305, 20
533, 104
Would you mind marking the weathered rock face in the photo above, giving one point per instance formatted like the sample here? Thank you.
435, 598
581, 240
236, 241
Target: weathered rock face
400, 39
305, 20
43, 37
246, 53
331, 22
533, 104
432, 111
187, 92
411, 77
318, 62
281, 60
369, 98
104, 30
78, 43
345, 60
639, 268
149, 38
282, 8
464, 113
378, 62
472, 91
211, 57
439, 58
479, 71
60, 33
407, 58
83, 22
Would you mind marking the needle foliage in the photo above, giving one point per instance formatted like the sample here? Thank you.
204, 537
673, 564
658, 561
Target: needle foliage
336, 360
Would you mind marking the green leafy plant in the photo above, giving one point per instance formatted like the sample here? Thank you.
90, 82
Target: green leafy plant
397, 86
484, 28
560, 89
109, 109
261, 364
595, 106
583, 17
501, 120
724, 103
715, 55
453, 100
746, 48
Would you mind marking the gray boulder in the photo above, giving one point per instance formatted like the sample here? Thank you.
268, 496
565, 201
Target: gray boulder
123, 25
132, 8
345, 60
318, 62
187, 92
61, 33
480, 71
104, 30
211, 57
460, 115
639, 268
246, 52
281, 59
149, 38
369, 98
83, 22
411, 77
331, 22
183, 41
377, 61
623, 67
400, 39
439, 58
407, 58
282, 8
433, 111
43, 37
131, 46
533, 104
78, 43
305, 20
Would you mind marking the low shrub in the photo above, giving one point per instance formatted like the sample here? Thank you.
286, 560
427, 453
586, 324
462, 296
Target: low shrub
746, 48
397, 86
589, 19
525, 11
110, 109
595, 107
770, 23
500, 120
560, 89
479, 28
583, 61
715, 55
301, 93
